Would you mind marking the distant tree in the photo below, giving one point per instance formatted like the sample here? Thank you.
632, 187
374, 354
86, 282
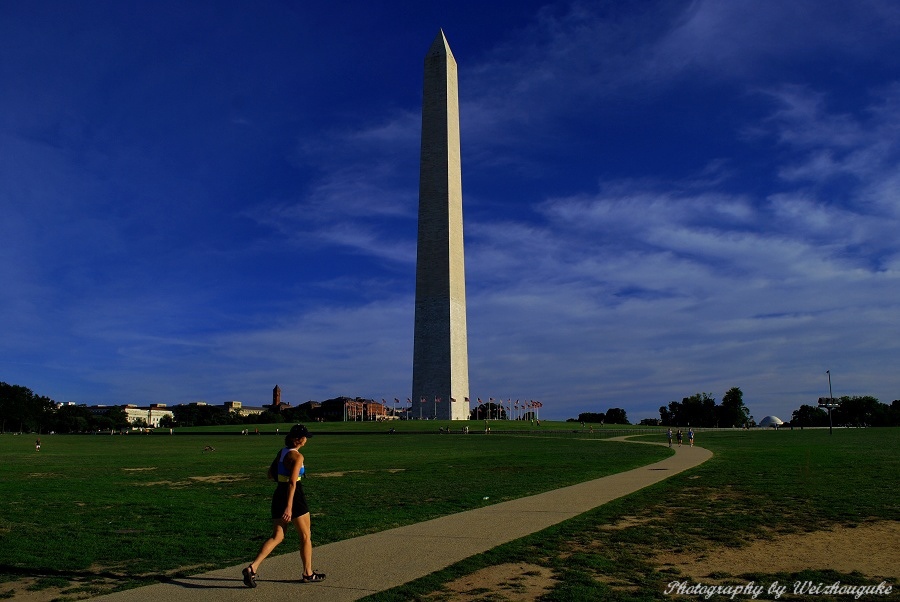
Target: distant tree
666, 416
72, 419
200, 415
809, 416
857, 411
22, 410
118, 417
592, 417
732, 412
167, 422
697, 410
616, 416
295, 415
270, 417
894, 414
493, 411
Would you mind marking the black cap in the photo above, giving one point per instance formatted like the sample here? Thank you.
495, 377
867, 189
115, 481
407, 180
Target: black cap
298, 431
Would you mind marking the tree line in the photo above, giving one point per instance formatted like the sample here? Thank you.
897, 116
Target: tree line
207, 415
22, 410
701, 410
610, 416
850, 411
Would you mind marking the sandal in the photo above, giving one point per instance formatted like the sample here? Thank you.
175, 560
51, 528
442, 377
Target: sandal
249, 577
313, 578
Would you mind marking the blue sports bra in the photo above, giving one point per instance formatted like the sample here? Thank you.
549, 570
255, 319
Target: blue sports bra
284, 475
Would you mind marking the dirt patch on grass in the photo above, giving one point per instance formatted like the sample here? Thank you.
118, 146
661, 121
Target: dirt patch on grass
98, 580
625, 522
341, 473
220, 478
513, 582
870, 549
213, 479
44, 589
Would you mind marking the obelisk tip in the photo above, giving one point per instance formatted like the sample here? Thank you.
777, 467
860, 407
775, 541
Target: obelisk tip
440, 45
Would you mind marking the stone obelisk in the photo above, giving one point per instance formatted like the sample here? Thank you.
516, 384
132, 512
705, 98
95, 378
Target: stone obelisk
440, 349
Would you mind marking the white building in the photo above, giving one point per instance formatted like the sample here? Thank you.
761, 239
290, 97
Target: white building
771, 422
151, 415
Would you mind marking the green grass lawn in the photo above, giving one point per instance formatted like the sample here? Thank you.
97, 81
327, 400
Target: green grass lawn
757, 485
136, 508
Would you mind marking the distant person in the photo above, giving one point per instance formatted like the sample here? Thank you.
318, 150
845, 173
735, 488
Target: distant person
669, 435
37, 445
691, 437
679, 437
288, 506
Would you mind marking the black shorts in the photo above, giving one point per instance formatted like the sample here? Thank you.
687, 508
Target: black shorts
279, 501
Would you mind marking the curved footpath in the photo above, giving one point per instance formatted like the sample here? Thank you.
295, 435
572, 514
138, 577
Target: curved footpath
369, 564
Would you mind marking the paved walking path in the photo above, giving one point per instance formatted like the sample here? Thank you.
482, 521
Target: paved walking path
369, 564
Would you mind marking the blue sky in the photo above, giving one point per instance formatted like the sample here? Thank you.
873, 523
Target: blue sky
203, 200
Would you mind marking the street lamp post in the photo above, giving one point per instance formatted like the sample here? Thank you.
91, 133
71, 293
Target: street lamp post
830, 400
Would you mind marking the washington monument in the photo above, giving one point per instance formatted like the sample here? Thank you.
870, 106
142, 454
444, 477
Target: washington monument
440, 386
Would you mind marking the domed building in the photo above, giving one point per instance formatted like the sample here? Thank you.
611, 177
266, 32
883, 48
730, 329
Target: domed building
771, 422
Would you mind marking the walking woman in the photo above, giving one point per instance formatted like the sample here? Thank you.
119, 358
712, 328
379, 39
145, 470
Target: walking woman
288, 506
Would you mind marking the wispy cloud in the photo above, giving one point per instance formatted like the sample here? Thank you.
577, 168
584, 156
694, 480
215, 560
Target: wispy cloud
744, 38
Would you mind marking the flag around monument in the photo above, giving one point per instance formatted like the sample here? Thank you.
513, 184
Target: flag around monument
440, 346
